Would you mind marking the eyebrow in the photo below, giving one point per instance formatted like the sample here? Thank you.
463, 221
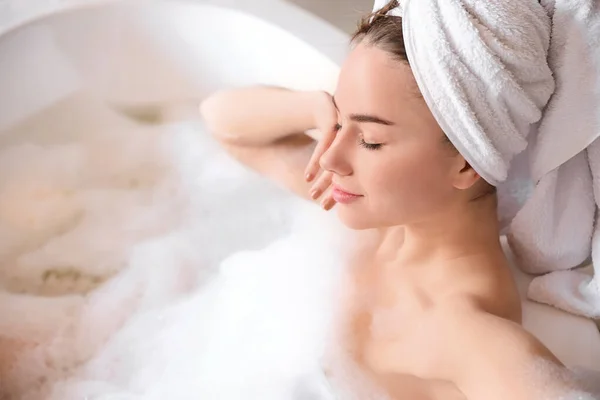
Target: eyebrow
365, 117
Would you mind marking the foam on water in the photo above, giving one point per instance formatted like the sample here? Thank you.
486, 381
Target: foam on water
132, 261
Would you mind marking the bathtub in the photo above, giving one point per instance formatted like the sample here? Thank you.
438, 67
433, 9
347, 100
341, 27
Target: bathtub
160, 51
59, 61
65, 64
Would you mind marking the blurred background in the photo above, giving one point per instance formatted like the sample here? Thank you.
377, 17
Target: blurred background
344, 14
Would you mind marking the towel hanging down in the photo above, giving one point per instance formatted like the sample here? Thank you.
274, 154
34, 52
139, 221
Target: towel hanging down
515, 85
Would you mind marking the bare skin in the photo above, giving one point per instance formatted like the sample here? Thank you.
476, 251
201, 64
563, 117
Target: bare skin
434, 312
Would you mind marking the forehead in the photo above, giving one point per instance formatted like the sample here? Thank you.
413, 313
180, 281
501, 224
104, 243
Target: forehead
370, 79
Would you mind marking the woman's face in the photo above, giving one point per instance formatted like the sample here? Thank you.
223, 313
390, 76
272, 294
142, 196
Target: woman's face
389, 150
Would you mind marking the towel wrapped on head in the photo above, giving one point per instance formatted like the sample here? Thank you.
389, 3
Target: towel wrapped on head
515, 85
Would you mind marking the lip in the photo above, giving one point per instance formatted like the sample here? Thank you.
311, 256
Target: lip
342, 196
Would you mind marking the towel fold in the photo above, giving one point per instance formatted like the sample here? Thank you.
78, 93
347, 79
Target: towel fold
515, 85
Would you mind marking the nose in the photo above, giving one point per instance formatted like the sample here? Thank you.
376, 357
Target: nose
337, 157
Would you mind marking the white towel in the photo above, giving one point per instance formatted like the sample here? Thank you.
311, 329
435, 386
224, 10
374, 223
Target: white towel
515, 85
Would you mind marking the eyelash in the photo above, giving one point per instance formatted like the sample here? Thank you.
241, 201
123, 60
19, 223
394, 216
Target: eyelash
368, 146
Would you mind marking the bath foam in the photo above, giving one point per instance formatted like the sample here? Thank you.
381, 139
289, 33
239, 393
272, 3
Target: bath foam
100, 232
257, 330
559, 383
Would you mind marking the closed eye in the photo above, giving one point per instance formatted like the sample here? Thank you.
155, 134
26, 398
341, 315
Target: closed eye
366, 145
370, 146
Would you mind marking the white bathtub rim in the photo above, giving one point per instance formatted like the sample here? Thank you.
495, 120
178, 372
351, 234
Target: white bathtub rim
327, 39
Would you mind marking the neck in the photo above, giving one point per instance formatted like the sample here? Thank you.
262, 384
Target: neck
458, 232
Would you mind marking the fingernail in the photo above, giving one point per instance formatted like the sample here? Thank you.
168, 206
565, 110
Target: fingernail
309, 176
327, 204
315, 193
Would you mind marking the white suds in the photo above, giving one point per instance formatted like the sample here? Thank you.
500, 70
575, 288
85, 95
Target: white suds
107, 246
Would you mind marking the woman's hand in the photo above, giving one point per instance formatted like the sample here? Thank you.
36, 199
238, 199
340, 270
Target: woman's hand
326, 122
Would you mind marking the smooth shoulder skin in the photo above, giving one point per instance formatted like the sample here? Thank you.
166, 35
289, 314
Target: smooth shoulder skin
493, 358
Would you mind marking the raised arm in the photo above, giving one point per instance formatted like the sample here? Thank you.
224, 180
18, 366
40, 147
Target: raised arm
270, 129
260, 115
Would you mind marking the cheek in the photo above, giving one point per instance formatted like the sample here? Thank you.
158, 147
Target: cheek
408, 182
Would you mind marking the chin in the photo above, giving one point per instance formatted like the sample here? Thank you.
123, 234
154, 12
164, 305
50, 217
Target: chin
354, 219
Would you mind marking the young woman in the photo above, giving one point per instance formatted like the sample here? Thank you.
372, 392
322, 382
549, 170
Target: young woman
431, 248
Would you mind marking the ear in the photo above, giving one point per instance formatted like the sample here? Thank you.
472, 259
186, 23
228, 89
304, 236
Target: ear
464, 176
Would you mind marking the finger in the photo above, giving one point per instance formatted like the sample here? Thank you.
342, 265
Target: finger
321, 185
328, 202
313, 165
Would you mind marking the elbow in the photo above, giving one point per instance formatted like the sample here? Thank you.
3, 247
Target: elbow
215, 111
211, 111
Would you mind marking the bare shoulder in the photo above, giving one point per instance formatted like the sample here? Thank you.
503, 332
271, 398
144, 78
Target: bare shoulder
485, 284
490, 357
466, 321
